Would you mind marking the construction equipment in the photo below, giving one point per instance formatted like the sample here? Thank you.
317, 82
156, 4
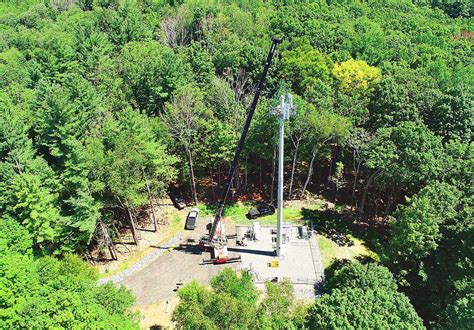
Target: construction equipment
216, 239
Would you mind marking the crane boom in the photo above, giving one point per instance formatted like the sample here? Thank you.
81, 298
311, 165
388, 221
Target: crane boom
240, 145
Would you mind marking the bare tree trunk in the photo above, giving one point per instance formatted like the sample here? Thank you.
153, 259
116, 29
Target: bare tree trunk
232, 185
260, 174
153, 215
191, 177
356, 165
246, 176
389, 202
108, 241
293, 167
237, 177
310, 173
152, 206
330, 165
132, 226
273, 174
212, 183
366, 190
17, 163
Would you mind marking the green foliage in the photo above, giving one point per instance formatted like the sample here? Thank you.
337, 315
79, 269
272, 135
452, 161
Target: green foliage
105, 103
12, 69
360, 308
453, 116
407, 155
328, 126
64, 113
131, 156
232, 303
362, 296
356, 76
394, 101
47, 293
226, 306
306, 69
278, 309
241, 287
417, 230
151, 73
14, 238
428, 249
363, 276
36, 208
454, 8
459, 314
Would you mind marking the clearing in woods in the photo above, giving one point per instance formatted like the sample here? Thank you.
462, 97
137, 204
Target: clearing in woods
155, 272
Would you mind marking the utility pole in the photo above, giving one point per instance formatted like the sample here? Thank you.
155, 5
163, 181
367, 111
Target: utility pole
283, 110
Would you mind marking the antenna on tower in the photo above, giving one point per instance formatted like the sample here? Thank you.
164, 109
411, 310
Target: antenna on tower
282, 104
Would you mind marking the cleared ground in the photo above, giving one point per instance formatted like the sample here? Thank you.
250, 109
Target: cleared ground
171, 222
300, 262
157, 275
155, 285
176, 266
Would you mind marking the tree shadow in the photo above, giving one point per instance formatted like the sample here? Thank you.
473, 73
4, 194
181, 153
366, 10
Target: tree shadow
330, 224
335, 266
157, 327
339, 225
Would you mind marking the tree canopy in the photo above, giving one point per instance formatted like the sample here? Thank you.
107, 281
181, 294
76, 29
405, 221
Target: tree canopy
362, 296
107, 104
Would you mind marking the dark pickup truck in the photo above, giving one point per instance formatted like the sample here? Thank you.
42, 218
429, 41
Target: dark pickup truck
260, 210
177, 199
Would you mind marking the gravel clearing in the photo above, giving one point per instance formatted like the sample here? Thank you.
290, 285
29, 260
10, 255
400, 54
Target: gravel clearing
143, 262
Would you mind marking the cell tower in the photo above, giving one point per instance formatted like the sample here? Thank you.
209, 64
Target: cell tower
283, 109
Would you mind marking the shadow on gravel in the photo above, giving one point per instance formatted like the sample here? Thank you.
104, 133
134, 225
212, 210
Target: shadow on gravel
258, 252
189, 247
185, 247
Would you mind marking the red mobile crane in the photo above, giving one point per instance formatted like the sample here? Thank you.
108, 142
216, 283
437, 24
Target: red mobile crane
216, 239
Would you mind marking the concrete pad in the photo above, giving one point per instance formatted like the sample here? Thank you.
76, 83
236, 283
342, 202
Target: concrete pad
300, 261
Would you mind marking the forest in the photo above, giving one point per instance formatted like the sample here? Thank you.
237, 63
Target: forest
105, 105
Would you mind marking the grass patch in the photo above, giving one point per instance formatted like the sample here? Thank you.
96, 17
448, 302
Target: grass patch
340, 237
237, 213
230, 210
331, 251
290, 214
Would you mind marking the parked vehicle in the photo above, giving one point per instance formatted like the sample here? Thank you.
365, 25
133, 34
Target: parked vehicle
260, 210
192, 218
177, 199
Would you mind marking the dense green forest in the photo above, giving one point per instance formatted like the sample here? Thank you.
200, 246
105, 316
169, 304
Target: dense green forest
104, 104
